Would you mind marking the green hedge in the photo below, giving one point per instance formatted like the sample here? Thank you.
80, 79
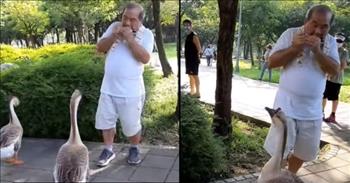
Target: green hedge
203, 155
44, 87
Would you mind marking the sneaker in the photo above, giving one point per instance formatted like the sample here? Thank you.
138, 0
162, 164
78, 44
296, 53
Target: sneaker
330, 119
105, 157
134, 156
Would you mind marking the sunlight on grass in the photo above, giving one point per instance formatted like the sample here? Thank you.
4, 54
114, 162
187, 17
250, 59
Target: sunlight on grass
170, 50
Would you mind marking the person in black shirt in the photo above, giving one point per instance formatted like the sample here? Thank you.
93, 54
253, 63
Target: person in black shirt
192, 57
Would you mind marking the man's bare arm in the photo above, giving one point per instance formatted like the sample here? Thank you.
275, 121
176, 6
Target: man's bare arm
198, 45
282, 57
105, 44
327, 64
343, 64
138, 51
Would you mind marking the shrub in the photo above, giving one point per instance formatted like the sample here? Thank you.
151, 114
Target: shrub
44, 89
45, 86
202, 155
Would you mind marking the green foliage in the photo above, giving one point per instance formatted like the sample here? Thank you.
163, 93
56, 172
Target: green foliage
203, 155
9, 54
170, 50
168, 12
25, 18
44, 89
45, 86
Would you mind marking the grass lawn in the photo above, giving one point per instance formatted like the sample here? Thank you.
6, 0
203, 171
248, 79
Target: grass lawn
170, 51
244, 149
254, 73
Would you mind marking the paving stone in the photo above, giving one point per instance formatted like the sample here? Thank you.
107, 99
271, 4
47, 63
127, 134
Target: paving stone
230, 180
303, 171
336, 162
164, 152
176, 164
102, 179
239, 178
39, 157
158, 161
20, 174
173, 176
318, 167
312, 178
220, 181
147, 174
345, 170
119, 173
334, 176
342, 151
344, 156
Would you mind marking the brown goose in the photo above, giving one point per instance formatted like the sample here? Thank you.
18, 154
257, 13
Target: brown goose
11, 136
72, 162
271, 172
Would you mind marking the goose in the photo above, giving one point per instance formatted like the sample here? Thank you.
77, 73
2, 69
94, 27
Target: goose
11, 136
72, 162
271, 172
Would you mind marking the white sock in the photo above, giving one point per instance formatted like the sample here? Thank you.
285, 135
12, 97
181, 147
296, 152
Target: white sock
109, 147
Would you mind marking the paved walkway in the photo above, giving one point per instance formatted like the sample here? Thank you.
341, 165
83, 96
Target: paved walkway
249, 97
160, 163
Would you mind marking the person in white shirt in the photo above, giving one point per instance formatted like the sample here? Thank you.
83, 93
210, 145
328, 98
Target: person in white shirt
306, 54
265, 63
209, 54
128, 45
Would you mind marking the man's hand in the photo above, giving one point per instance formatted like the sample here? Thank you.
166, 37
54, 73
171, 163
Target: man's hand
126, 33
299, 41
314, 43
116, 32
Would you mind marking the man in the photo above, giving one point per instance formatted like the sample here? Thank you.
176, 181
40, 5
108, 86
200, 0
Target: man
128, 45
334, 82
265, 63
307, 54
192, 57
209, 54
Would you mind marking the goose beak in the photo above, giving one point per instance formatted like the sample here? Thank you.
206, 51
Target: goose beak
272, 112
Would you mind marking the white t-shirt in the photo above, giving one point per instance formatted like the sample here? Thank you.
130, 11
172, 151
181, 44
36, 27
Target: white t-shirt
302, 81
209, 51
123, 74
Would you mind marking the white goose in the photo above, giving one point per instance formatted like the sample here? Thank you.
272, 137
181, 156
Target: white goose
271, 172
72, 162
11, 136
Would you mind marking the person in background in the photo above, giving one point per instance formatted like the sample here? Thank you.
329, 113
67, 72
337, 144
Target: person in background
192, 57
265, 62
334, 82
209, 54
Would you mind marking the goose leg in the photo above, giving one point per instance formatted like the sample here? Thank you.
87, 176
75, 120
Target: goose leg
10, 160
16, 161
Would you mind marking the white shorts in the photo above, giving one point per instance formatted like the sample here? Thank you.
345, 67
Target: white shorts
127, 109
303, 139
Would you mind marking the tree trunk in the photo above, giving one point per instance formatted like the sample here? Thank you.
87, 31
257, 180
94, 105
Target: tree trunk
159, 40
251, 53
27, 42
69, 36
222, 113
246, 50
97, 31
